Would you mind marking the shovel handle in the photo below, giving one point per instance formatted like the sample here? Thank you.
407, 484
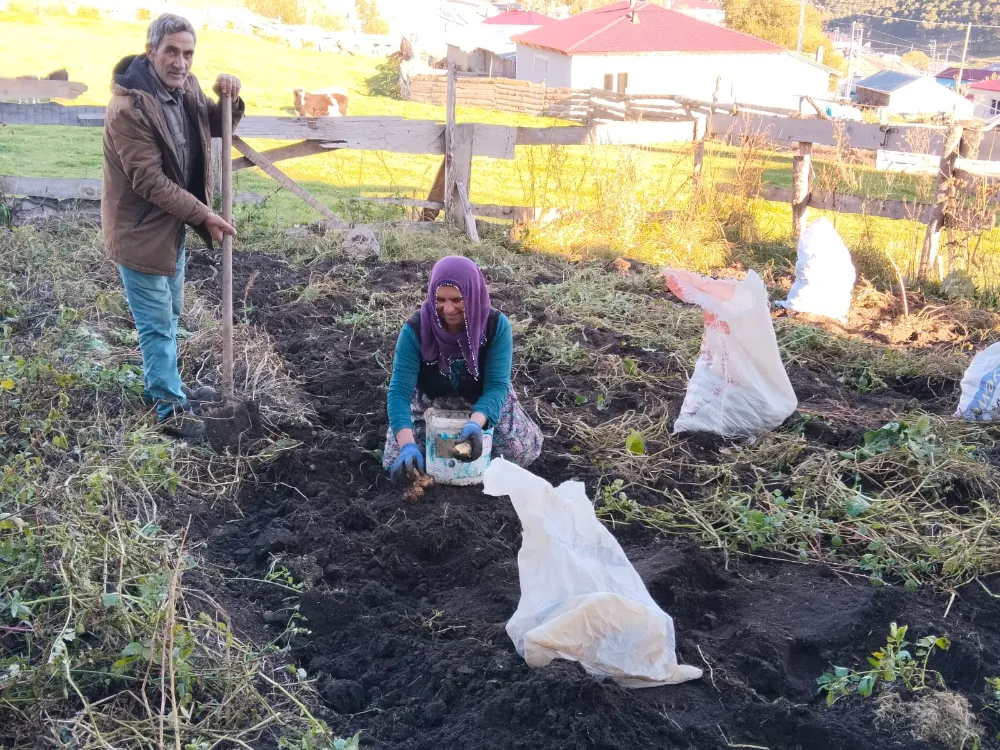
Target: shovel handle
228, 390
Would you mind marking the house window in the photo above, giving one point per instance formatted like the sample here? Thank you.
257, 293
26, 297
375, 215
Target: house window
541, 65
994, 106
616, 83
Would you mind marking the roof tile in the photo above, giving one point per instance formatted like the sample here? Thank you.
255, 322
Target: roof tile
610, 30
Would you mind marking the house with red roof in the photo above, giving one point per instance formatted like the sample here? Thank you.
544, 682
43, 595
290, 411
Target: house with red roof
528, 18
949, 76
641, 48
486, 47
986, 97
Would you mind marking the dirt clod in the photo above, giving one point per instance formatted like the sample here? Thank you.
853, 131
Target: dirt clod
233, 425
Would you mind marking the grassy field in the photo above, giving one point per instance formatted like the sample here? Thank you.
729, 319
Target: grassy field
584, 180
132, 617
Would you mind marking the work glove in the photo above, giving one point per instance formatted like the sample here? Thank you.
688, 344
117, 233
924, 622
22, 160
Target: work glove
410, 460
473, 435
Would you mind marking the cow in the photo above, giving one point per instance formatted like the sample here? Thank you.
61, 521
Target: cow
328, 102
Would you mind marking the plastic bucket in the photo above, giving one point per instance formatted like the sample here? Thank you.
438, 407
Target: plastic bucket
443, 430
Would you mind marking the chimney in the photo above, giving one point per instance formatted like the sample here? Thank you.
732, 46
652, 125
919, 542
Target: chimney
633, 14
819, 54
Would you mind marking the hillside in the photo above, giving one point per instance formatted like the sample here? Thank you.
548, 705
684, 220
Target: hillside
927, 11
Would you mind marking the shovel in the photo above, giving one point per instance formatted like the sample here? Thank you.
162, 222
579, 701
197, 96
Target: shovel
235, 420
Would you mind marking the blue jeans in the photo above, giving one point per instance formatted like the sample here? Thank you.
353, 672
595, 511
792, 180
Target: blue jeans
156, 303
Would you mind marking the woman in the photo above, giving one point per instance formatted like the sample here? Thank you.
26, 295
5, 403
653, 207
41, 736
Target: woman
456, 353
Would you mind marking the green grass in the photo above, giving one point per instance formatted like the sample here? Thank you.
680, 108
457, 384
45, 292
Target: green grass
604, 193
269, 72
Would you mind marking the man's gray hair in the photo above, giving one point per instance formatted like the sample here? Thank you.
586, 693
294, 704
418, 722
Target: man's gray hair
166, 24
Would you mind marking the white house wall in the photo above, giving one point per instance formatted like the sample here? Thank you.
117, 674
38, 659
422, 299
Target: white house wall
543, 66
925, 96
767, 79
984, 103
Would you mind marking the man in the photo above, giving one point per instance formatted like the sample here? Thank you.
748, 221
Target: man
157, 181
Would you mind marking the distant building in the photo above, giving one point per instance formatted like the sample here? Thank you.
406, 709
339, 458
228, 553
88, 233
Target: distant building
866, 65
519, 20
708, 11
986, 97
647, 49
487, 48
949, 76
906, 95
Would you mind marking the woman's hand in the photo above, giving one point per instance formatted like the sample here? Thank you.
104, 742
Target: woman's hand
410, 460
472, 435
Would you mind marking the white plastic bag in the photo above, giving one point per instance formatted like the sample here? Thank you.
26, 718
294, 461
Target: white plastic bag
980, 393
739, 387
824, 274
581, 599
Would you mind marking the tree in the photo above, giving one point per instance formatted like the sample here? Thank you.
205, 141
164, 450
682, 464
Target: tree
917, 59
371, 21
778, 21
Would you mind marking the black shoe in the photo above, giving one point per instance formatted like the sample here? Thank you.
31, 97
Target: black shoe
184, 425
203, 394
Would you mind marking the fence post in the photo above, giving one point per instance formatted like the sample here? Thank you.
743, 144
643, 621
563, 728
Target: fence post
930, 254
699, 151
451, 215
801, 187
457, 164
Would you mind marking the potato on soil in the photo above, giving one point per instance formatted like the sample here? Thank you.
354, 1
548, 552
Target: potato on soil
421, 483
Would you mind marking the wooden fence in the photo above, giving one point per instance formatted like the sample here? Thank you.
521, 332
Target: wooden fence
962, 152
579, 105
501, 94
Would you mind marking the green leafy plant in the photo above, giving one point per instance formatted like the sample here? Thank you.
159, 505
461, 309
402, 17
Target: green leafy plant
634, 444
993, 688
890, 664
916, 439
277, 573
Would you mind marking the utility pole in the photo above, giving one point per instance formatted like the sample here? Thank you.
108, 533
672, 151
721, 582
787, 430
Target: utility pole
965, 49
850, 61
933, 66
802, 26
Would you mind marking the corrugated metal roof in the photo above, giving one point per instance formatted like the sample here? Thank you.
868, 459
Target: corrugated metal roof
611, 30
887, 81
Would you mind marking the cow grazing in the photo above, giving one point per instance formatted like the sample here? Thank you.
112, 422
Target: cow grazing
328, 102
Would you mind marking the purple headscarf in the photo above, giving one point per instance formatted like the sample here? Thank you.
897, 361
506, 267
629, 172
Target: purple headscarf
436, 344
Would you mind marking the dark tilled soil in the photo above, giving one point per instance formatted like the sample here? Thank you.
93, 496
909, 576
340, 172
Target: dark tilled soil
407, 604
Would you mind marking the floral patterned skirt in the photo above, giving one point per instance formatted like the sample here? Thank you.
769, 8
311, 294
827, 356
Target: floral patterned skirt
515, 437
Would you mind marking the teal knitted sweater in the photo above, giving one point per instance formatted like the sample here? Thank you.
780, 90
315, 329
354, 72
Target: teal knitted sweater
495, 372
